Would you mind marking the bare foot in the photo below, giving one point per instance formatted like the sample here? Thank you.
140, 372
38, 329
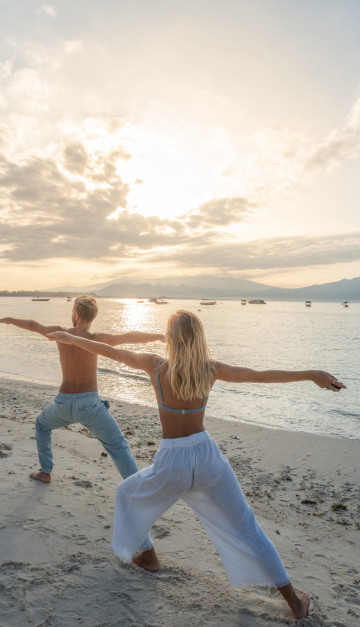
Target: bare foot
147, 560
303, 603
45, 477
298, 601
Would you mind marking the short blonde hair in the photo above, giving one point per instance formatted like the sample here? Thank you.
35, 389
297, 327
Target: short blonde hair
190, 367
86, 307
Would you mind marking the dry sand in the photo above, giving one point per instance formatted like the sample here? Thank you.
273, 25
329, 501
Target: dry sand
57, 565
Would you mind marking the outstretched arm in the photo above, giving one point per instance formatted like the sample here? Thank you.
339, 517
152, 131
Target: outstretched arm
30, 325
129, 337
142, 361
235, 374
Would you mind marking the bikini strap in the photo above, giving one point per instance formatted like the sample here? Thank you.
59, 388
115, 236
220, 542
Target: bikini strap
158, 381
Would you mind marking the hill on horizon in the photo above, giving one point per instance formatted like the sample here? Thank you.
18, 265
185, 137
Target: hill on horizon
221, 287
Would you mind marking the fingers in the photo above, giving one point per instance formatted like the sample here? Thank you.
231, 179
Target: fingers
336, 385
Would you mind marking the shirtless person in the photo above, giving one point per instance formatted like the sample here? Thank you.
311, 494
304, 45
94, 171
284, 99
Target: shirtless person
78, 399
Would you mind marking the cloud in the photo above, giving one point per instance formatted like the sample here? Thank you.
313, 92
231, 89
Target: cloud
59, 207
73, 204
341, 144
221, 212
28, 88
63, 208
48, 9
76, 158
265, 254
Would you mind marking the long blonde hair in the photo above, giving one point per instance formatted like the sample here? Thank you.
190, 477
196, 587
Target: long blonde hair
190, 367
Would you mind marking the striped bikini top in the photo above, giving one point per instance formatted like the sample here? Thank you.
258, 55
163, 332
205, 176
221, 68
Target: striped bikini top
176, 411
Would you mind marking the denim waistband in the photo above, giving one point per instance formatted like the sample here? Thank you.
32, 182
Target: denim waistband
70, 397
190, 440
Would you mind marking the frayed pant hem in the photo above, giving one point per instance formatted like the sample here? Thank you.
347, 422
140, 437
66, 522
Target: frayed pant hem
265, 584
128, 560
123, 559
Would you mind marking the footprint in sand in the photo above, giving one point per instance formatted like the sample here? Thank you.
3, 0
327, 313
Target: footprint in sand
5, 450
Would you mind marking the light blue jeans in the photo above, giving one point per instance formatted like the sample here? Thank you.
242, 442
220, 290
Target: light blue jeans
89, 410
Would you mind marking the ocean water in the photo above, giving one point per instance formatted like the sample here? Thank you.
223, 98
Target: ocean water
284, 335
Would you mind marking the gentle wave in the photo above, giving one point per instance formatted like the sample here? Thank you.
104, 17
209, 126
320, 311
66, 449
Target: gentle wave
125, 375
347, 414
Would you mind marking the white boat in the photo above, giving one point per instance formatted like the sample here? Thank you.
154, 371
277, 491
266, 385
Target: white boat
243, 302
308, 303
40, 298
207, 301
158, 301
256, 301
344, 304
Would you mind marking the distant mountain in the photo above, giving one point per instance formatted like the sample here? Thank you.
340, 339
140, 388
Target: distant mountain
143, 290
346, 289
220, 287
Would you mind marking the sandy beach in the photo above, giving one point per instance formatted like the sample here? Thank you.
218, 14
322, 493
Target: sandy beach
57, 565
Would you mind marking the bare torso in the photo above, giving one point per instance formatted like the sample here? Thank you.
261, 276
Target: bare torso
79, 367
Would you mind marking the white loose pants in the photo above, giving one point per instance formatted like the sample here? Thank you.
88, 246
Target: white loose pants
193, 469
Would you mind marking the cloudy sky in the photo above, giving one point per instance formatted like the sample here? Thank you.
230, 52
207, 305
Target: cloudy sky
154, 139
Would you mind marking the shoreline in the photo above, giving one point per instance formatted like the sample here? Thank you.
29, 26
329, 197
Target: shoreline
54, 386
55, 539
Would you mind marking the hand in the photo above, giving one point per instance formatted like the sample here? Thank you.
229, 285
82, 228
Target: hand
327, 381
61, 336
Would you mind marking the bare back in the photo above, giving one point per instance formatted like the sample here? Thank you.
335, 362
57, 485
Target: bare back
79, 367
175, 425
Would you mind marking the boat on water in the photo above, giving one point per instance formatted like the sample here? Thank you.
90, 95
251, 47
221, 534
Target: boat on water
158, 301
40, 298
243, 302
69, 299
256, 301
207, 301
308, 303
344, 304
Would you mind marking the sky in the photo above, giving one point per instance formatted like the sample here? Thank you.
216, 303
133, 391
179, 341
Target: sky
158, 140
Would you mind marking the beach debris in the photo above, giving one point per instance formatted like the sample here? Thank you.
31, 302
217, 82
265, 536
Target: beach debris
338, 506
308, 502
83, 484
4, 448
103, 454
150, 443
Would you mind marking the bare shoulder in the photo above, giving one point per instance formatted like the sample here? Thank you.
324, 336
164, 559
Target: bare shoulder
218, 366
149, 361
45, 330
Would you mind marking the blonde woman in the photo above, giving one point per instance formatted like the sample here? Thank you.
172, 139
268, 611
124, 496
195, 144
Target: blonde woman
189, 464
